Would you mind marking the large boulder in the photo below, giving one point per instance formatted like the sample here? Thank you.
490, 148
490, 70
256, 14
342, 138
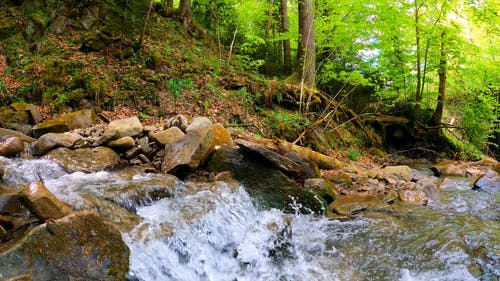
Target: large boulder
35, 116
270, 187
354, 203
50, 141
168, 136
128, 127
122, 144
84, 159
490, 181
5, 133
42, 203
392, 174
11, 146
79, 119
192, 150
81, 246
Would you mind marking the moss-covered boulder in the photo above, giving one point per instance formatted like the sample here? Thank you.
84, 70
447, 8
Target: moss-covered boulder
81, 246
270, 187
79, 119
84, 159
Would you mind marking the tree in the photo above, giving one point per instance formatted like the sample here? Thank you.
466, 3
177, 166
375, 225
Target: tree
306, 51
186, 13
438, 113
287, 55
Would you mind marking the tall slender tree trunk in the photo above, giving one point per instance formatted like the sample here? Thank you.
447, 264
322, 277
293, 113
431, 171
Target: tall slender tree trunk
287, 55
438, 113
306, 52
186, 13
418, 91
267, 37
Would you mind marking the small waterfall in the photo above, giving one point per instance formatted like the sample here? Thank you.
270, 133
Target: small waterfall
214, 231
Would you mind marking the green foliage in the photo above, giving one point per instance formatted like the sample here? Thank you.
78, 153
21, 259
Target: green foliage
176, 86
125, 17
287, 124
353, 154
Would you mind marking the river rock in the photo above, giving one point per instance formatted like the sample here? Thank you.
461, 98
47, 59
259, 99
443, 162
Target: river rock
5, 133
430, 188
80, 246
452, 170
277, 160
42, 203
412, 196
323, 188
121, 144
354, 203
192, 150
168, 136
270, 187
490, 181
79, 119
50, 141
35, 116
179, 121
11, 146
221, 137
84, 159
128, 127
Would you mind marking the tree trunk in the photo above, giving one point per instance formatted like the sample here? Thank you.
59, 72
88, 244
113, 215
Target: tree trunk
438, 113
186, 13
141, 39
306, 52
287, 57
418, 92
267, 32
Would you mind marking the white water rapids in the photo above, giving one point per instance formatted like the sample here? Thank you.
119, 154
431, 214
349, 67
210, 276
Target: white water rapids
214, 231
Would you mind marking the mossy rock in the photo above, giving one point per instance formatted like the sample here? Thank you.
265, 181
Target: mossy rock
74, 120
35, 27
81, 246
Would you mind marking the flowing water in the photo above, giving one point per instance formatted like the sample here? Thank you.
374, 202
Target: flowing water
214, 231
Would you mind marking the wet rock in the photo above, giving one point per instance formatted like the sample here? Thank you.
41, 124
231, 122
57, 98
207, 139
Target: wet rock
50, 141
323, 188
221, 137
398, 173
179, 121
281, 162
490, 181
42, 203
169, 136
121, 144
339, 176
84, 159
128, 127
79, 119
452, 170
192, 150
412, 196
354, 203
5, 133
11, 146
263, 182
80, 246
430, 188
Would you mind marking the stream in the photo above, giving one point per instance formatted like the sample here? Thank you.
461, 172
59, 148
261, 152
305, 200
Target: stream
215, 231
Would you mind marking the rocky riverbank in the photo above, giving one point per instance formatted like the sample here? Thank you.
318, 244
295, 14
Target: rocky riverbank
276, 173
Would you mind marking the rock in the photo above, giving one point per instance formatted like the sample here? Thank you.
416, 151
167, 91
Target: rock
80, 246
263, 182
50, 141
221, 137
412, 196
35, 116
192, 150
490, 181
179, 121
169, 136
309, 169
354, 203
3, 233
281, 162
377, 152
430, 188
339, 176
144, 145
399, 173
133, 152
11, 146
79, 119
84, 159
42, 203
452, 170
323, 188
128, 127
121, 144
4, 133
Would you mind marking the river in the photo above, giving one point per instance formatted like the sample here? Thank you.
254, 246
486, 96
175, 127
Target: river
215, 231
